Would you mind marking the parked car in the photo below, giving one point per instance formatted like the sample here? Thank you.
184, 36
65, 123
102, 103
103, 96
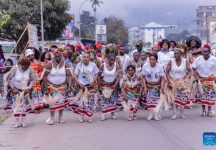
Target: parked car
12, 58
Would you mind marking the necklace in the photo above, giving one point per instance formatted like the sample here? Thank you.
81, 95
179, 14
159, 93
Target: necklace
131, 83
109, 67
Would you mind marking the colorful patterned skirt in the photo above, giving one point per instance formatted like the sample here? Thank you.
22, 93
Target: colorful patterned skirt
87, 108
153, 96
132, 98
182, 98
206, 92
182, 92
119, 100
142, 99
193, 90
108, 105
37, 96
74, 105
22, 109
59, 90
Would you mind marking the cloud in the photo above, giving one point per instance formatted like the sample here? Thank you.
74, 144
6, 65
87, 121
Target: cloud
139, 12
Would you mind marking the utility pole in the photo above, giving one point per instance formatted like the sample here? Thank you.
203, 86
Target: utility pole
80, 17
42, 26
95, 23
207, 29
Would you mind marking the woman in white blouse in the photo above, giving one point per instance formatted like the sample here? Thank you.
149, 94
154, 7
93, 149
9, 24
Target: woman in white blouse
153, 76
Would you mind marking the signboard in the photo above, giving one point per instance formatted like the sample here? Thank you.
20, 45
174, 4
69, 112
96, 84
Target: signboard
100, 29
33, 37
172, 26
212, 30
101, 33
101, 38
69, 30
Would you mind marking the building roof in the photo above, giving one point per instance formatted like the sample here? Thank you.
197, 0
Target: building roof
133, 28
154, 25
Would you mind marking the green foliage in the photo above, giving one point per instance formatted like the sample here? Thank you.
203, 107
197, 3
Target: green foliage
96, 3
21, 11
87, 25
4, 18
117, 32
179, 37
111, 49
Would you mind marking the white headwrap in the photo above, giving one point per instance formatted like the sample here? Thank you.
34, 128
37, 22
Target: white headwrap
28, 52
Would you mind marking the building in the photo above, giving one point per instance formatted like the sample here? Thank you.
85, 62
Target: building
149, 33
153, 32
134, 35
204, 15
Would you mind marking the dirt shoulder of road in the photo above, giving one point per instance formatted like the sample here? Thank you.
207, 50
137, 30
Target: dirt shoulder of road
3, 115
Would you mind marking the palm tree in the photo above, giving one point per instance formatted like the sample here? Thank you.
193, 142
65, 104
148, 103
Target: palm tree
95, 4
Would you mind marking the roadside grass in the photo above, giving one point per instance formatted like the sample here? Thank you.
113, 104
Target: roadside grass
3, 114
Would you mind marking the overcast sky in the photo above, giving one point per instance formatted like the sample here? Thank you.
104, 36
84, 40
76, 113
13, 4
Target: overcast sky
140, 12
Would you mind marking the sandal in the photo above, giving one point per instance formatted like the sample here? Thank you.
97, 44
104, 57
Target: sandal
89, 120
81, 119
203, 113
135, 117
130, 118
209, 114
17, 125
103, 118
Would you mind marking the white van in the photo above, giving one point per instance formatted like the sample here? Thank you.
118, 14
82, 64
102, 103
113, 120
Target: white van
7, 46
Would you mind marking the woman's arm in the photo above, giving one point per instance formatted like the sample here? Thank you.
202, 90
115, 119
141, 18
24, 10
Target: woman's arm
68, 75
141, 87
162, 85
123, 86
189, 70
100, 77
32, 79
118, 76
78, 82
10, 76
95, 79
47, 72
144, 84
196, 74
168, 69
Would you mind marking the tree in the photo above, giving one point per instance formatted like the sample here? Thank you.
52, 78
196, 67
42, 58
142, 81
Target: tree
173, 37
23, 11
87, 25
179, 37
184, 35
95, 4
4, 18
117, 32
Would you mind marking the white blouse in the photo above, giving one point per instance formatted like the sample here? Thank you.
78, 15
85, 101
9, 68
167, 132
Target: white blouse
85, 73
165, 57
125, 61
57, 75
205, 68
152, 74
109, 75
21, 78
178, 72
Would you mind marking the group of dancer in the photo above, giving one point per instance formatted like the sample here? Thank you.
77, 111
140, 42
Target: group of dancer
167, 75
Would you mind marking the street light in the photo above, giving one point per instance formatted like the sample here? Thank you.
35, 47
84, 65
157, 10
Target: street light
80, 17
42, 26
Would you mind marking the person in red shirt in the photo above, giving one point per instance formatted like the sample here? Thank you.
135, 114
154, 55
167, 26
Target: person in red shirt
36, 94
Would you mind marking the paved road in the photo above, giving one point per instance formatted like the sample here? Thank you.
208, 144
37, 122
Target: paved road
109, 135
